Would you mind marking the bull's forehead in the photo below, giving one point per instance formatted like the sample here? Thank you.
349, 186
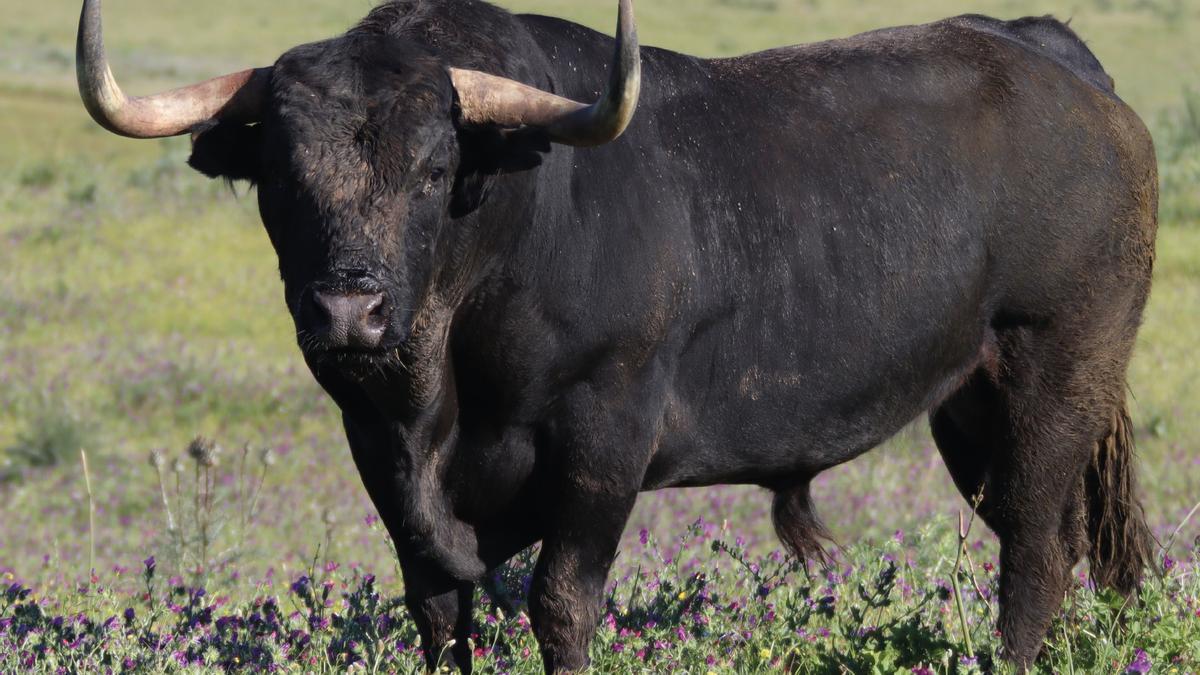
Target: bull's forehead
336, 175
352, 125
357, 164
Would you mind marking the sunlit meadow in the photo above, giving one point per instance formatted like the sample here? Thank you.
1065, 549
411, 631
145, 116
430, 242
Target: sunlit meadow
140, 309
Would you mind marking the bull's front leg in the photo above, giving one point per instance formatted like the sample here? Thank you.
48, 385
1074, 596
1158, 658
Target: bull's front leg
568, 584
439, 604
598, 466
441, 608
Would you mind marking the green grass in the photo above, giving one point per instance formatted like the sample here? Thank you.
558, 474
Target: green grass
140, 303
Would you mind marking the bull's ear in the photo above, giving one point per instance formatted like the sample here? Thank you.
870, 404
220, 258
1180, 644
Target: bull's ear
226, 150
486, 153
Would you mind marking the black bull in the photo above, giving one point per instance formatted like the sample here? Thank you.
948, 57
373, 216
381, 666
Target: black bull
786, 258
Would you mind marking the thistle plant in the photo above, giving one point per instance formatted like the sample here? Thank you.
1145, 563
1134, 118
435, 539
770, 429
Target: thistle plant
218, 513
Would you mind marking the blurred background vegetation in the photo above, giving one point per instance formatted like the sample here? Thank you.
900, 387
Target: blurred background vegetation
140, 303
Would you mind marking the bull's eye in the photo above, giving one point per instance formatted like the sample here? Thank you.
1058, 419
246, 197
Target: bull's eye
432, 180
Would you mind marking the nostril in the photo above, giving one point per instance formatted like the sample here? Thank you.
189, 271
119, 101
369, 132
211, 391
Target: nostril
373, 307
373, 318
319, 309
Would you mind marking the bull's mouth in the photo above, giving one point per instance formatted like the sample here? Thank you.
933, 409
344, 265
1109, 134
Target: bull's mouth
349, 353
357, 362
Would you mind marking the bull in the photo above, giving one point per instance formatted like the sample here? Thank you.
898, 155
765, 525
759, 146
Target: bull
529, 308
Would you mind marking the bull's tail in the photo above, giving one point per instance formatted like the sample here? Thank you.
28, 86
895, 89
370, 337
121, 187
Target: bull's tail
1120, 542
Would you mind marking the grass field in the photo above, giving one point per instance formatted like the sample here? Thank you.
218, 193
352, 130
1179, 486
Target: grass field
140, 307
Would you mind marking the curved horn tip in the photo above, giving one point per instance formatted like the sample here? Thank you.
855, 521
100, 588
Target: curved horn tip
609, 117
99, 91
491, 99
233, 96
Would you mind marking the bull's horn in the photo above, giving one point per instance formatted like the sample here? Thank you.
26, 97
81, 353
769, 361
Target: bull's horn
488, 99
236, 97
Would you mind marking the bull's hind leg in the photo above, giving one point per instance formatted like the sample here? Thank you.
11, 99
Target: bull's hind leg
1026, 434
1034, 502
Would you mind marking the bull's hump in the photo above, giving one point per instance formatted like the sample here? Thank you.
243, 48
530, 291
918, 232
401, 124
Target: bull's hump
1049, 38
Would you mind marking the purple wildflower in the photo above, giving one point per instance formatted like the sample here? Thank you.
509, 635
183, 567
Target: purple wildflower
1140, 664
300, 586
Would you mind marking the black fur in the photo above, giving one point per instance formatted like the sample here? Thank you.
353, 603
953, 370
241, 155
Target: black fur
788, 257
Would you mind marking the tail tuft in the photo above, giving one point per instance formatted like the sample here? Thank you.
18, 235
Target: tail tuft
1120, 541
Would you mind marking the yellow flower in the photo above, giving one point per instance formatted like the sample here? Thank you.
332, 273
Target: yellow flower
682, 595
765, 653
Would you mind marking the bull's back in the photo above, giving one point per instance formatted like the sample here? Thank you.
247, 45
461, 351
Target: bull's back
977, 155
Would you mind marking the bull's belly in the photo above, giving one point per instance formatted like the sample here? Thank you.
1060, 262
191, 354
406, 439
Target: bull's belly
772, 427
